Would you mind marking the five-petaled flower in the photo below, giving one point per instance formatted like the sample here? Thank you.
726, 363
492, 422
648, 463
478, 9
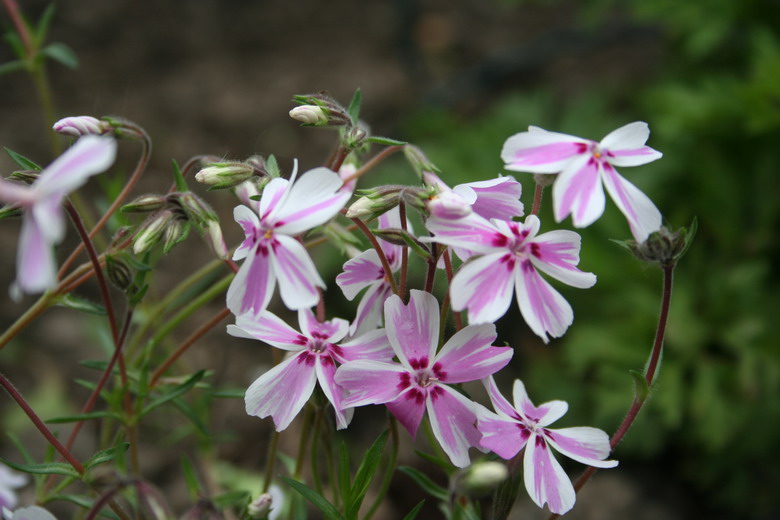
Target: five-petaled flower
511, 254
525, 425
282, 391
420, 379
583, 166
43, 225
271, 252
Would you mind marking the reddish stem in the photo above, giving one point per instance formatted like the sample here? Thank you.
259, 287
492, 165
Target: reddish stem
382, 258
537, 199
404, 255
13, 11
338, 160
448, 268
378, 158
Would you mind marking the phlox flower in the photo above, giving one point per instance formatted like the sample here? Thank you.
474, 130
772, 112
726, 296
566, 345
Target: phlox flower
43, 224
9, 481
282, 391
583, 166
366, 271
420, 380
493, 198
524, 425
271, 252
513, 253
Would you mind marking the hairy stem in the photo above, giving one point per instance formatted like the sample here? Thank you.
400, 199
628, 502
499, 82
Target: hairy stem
378, 158
382, 258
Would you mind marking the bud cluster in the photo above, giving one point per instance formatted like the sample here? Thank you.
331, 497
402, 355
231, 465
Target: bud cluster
664, 247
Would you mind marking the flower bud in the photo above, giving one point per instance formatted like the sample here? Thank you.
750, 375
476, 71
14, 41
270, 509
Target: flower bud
481, 478
258, 163
177, 231
663, 247
196, 209
261, 507
419, 161
224, 175
25, 176
76, 126
448, 205
333, 112
10, 211
309, 115
213, 236
145, 204
355, 137
152, 231
119, 273
362, 207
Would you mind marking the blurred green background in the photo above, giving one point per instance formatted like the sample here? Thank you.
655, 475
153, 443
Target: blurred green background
458, 78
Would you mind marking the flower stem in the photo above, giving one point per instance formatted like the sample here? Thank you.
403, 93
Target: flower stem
382, 258
270, 462
378, 158
448, 268
537, 199
338, 159
650, 373
393, 427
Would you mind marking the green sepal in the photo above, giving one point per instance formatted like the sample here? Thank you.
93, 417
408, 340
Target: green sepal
272, 167
354, 106
178, 177
81, 304
386, 141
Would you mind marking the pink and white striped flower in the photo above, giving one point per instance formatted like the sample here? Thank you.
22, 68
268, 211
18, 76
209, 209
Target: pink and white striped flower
420, 380
524, 425
493, 198
583, 166
366, 271
271, 252
512, 254
43, 224
282, 391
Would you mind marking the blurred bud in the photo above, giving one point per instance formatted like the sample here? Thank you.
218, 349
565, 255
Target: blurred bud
248, 189
224, 175
10, 211
481, 478
431, 179
120, 236
196, 209
152, 231
261, 507
354, 137
309, 115
77, 126
258, 163
545, 179
214, 239
663, 247
448, 205
25, 176
177, 231
145, 204
362, 207
419, 161
118, 272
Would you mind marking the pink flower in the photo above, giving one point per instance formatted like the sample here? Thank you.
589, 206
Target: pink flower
525, 425
583, 166
286, 209
493, 198
420, 380
9, 481
43, 224
366, 271
512, 254
282, 391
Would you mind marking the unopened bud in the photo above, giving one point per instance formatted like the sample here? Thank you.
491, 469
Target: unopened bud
258, 163
355, 137
261, 507
76, 126
25, 176
309, 115
10, 211
213, 236
481, 478
335, 114
224, 175
664, 247
196, 209
448, 205
177, 231
419, 161
118, 272
152, 231
145, 204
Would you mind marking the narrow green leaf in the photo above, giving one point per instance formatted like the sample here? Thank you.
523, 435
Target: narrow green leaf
443, 464
43, 24
62, 54
181, 184
425, 483
22, 161
354, 106
386, 141
364, 475
190, 478
11, 66
174, 393
229, 393
82, 417
21, 448
47, 468
345, 487
94, 364
319, 501
413, 513
13, 40
108, 455
81, 304
79, 500
190, 413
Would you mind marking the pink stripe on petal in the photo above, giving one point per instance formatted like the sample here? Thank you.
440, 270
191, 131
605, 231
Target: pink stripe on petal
500, 200
469, 355
313, 200
298, 277
373, 345
273, 193
545, 480
249, 222
541, 151
472, 232
557, 253
36, 268
578, 191
453, 420
90, 155
634, 157
484, 287
13, 193
543, 414
583, 444
370, 309
642, 215
360, 272
370, 382
282, 391
331, 331
49, 215
252, 288
409, 409
269, 328
543, 308
325, 367
500, 404
413, 329
504, 437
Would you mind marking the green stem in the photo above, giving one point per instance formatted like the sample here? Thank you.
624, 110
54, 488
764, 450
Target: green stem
270, 463
388, 477
378, 158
